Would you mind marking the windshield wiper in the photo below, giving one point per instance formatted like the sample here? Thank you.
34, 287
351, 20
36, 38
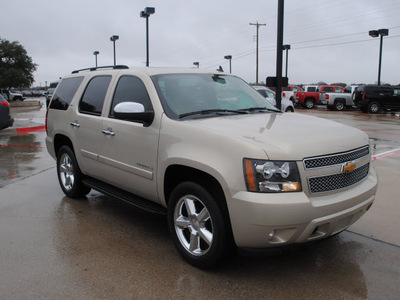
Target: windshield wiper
212, 111
252, 109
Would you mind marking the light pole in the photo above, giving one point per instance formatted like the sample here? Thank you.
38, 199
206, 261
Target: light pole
146, 14
95, 53
258, 26
113, 39
374, 34
196, 63
230, 62
287, 48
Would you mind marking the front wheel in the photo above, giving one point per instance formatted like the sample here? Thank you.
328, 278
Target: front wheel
69, 174
197, 226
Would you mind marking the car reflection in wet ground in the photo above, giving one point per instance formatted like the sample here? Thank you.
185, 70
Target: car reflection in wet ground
56, 247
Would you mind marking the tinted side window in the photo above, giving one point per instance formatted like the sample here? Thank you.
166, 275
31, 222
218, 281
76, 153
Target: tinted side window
65, 92
95, 93
263, 92
131, 89
328, 89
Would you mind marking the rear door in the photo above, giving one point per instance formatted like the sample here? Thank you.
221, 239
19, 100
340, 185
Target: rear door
87, 126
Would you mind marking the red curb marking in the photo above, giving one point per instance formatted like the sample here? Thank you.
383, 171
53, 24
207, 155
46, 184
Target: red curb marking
27, 129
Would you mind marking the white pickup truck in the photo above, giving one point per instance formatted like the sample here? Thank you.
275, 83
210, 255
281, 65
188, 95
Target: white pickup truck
338, 101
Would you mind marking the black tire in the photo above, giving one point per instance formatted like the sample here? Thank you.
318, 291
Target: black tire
373, 107
200, 235
309, 103
69, 174
339, 105
289, 109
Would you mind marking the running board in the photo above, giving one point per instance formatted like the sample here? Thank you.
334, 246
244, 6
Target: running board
132, 199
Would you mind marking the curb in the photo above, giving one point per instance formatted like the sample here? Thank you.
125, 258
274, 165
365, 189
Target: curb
26, 103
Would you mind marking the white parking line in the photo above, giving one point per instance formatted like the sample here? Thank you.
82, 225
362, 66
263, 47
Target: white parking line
385, 154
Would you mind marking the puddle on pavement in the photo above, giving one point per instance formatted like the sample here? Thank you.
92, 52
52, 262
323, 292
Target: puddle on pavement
21, 156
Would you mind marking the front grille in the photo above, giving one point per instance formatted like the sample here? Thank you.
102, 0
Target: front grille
337, 181
335, 159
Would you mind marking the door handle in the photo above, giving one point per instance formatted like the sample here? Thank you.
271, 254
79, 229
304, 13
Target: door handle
75, 124
108, 132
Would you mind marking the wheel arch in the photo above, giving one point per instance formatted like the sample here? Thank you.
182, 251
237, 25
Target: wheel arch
61, 140
176, 174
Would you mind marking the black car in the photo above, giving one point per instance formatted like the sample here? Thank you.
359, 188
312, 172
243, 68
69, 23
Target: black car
5, 118
374, 98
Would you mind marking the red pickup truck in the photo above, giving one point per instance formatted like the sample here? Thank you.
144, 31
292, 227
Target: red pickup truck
310, 99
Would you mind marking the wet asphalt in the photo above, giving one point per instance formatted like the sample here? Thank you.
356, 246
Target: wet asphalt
54, 247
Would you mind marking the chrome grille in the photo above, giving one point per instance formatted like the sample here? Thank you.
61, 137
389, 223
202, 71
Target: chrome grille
335, 159
337, 181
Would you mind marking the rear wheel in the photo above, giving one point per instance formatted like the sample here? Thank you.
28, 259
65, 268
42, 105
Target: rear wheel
373, 107
289, 109
197, 226
339, 105
69, 174
309, 103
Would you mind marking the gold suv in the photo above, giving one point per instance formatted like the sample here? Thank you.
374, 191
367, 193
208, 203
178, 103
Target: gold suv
226, 167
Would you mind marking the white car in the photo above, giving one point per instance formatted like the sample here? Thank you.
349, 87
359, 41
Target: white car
287, 105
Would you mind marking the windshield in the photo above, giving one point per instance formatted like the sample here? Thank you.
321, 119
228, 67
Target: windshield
205, 95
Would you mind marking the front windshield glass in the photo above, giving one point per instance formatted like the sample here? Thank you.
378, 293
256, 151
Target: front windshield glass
183, 95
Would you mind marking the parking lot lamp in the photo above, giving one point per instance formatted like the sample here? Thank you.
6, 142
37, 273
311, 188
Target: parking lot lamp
375, 33
95, 53
146, 14
196, 63
287, 48
113, 39
230, 62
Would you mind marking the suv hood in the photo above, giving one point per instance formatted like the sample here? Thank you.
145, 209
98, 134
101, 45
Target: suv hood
287, 136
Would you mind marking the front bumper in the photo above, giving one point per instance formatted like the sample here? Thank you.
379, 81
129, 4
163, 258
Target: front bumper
270, 220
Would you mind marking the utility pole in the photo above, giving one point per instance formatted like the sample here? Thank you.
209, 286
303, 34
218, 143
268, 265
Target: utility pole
257, 27
279, 48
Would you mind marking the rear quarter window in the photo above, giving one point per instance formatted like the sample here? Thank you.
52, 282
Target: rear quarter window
94, 96
65, 93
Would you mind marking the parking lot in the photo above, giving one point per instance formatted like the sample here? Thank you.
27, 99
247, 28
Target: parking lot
98, 248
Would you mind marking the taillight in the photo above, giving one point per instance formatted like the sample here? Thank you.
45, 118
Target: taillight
283, 95
326, 97
363, 96
5, 103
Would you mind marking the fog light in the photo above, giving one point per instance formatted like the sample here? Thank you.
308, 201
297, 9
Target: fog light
271, 235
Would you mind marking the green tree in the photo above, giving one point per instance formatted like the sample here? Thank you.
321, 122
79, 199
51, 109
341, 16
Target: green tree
16, 67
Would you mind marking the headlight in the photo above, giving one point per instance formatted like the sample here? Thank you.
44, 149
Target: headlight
271, 176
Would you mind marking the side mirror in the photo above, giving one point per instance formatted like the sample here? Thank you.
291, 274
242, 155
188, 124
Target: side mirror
133, 111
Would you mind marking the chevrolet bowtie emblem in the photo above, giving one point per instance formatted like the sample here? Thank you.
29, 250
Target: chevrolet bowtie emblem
348, 167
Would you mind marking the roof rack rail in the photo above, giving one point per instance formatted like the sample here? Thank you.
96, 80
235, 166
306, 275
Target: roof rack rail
102, 67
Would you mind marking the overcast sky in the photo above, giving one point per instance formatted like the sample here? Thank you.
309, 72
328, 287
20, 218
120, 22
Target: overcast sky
329, 39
